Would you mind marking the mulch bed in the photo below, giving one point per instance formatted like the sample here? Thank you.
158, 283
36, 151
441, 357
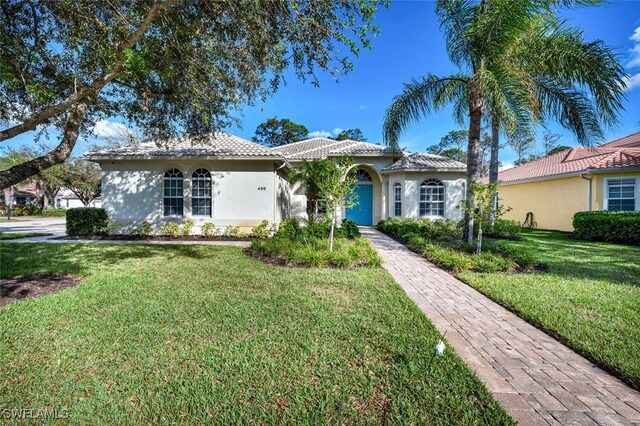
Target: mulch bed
156, 238
32, 286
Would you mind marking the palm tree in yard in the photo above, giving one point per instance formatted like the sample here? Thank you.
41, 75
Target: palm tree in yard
519, 66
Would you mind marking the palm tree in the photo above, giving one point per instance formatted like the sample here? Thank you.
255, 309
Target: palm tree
519, 64
308, 174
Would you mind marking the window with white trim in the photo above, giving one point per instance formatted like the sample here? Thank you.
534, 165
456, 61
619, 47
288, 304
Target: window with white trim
432, 198
201, 193
621, 194
173, 196
397, 200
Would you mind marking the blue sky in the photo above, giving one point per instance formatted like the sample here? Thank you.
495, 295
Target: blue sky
409, 45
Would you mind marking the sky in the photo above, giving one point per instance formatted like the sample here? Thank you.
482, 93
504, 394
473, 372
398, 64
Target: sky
410, 44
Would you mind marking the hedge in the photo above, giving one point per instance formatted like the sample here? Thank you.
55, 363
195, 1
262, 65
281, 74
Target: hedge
612, 227
87, 221
53, 212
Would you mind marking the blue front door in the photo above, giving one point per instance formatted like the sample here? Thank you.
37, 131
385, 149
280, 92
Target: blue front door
362, 213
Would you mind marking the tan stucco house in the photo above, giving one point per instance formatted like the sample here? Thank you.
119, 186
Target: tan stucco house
555, 187
228, 180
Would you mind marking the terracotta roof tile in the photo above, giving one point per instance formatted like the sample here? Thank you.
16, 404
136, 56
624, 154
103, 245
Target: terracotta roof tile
423, 161
219, 144
621, 153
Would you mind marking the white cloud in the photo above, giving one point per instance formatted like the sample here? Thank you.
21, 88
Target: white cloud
109, 129
633, 81
504, 165
319, 134
337, 131
363, 106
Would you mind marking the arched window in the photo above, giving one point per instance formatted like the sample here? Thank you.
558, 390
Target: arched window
201, 193
397, 199
362, 175
432, 198
173, 193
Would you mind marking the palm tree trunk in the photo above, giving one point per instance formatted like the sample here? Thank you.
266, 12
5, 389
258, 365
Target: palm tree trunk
476, 103
494, 162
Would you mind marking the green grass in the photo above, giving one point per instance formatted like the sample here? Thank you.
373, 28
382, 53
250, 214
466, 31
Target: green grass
16, 235
590, 297
206, 334
4, 219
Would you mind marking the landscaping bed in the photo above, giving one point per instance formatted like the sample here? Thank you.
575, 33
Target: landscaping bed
207, 335
158, 238
440, 242
32, 286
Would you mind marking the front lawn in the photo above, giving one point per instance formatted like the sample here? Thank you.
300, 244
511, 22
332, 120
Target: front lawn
590, 297
205, 334
17, 235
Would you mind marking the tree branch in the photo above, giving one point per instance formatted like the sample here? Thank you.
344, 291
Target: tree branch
94, 88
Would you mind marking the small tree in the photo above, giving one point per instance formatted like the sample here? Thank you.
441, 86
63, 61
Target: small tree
336, 189
486, 205
83, 179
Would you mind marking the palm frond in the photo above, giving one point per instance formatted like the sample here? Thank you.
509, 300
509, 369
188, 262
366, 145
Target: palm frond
456, 19
571, 108
418, 99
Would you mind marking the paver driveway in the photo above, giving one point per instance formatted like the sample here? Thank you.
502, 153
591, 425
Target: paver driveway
536, 379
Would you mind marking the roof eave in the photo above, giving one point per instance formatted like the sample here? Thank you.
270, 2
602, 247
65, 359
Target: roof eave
384, 172
572, 174
96, 158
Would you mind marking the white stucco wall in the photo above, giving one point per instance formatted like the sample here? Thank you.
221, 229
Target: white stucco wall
244, 193
454, 184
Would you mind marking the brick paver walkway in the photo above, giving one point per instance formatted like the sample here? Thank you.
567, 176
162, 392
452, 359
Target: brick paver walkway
535, 378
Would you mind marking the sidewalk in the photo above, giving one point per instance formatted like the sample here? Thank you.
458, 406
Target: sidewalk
537, 380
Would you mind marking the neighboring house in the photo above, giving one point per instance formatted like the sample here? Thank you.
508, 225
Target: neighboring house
231, 181
22, 195
555, 187
66, 199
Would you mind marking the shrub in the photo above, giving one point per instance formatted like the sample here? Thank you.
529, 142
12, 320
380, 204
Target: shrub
233, 231
505, 228
288, 229
613, 227
145, 228
348, 229
54, 212
188, 227
209, 229
261, 231
447, 258
435, 230
170, 230
87, 221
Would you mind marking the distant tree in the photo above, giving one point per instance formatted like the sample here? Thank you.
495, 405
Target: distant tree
274, 132
558, 149
352, 134
550, 141
82, 178
10, 158
453, 143
523, 146
171, 68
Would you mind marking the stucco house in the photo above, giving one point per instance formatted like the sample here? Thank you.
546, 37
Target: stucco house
555, 187
228, 180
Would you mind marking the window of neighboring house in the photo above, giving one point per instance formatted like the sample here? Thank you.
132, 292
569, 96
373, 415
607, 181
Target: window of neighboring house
21, 200
58, 205
432, 198
397, 200
201, 193
67, 200
173, 193
621, 194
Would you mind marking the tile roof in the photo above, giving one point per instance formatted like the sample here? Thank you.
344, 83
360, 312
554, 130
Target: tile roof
619, 154
629, 141
219, 144
311, 149
424, 161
